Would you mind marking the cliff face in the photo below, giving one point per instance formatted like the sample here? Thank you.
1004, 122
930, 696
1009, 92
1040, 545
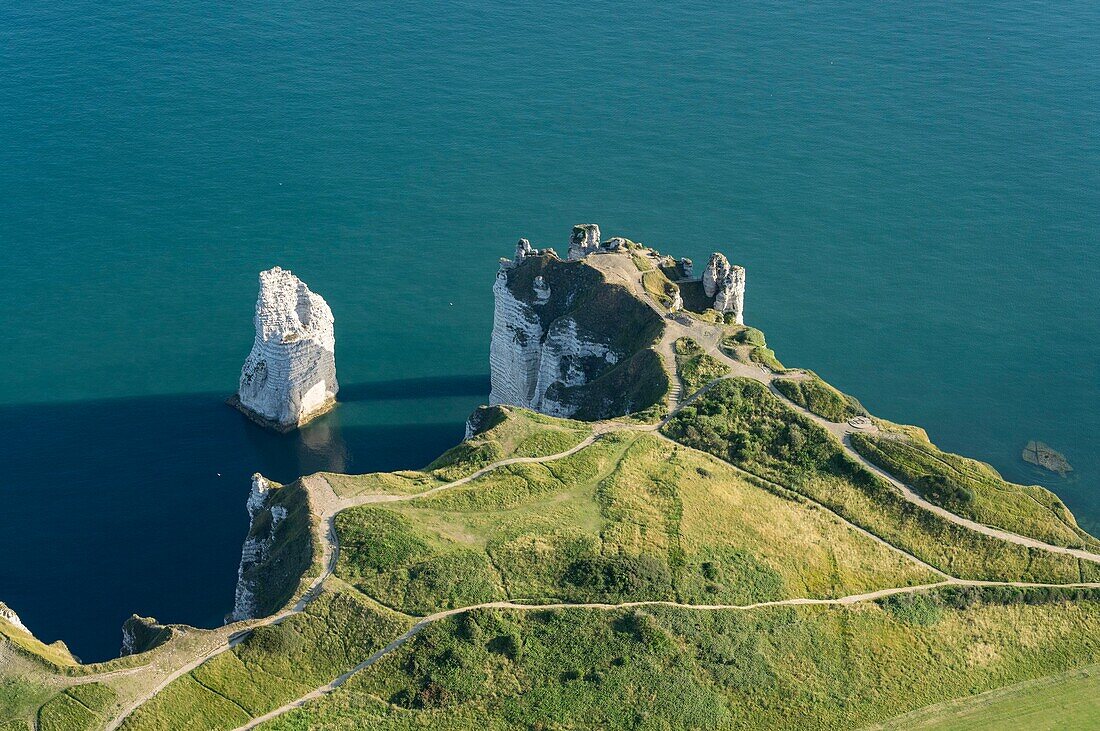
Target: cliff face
8, 614
141, 634
567, 343
290, 375
278, 550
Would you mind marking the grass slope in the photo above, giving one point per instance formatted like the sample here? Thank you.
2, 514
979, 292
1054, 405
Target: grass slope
665, 668
820, 398
630, 517
974, 489
739, 420
275, 664
1064, 701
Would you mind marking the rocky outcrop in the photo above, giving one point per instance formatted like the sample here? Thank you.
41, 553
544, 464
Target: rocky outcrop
526, 360
584, 240
255, 548
8, 614
559, 328
141, 634
726, 284
290, 375
687, 267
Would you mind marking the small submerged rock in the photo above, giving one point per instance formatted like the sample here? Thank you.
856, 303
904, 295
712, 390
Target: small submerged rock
1038, 453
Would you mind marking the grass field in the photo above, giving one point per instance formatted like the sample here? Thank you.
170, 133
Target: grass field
630, 517
975, 490
666, 668
1056, 703
276, 663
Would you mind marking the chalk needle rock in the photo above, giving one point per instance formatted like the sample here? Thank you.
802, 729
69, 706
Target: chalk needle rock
289, 377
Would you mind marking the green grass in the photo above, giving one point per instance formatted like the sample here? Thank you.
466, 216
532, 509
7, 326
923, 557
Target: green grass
275, 664
53, 656
64, 712
1065, 701
20, 696
658, 286
666, 668
748, 344
641, 261
739, 420
695, 368
630, 517
820, 398
974, 489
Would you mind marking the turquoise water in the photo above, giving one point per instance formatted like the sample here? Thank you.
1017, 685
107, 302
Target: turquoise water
915, 193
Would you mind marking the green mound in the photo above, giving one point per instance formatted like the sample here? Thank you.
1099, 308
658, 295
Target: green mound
818, 397
695, 368
631, 517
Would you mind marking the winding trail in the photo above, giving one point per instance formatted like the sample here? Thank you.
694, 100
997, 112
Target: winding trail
709, 336
432, 618
326, 504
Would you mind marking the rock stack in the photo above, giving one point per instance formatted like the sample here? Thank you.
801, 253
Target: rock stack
726, 284
290, 375
584, 240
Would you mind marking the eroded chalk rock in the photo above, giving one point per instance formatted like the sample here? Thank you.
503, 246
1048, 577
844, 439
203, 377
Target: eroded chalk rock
726, 284
584, 240
290, 375
141, 634
8, 614
255, 548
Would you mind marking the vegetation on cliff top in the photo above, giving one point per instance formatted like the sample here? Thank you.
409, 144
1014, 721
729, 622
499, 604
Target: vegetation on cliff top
974, 489
740, 421
818, 397
659, 667
741, 499
695, 368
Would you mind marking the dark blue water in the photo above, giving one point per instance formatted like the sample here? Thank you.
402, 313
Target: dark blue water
915, 191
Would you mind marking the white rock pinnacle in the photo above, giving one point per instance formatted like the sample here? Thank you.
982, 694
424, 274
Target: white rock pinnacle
726, 284
290, 375
584, 240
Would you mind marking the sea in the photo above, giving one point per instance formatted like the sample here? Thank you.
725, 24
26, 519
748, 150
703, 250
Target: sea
914, 189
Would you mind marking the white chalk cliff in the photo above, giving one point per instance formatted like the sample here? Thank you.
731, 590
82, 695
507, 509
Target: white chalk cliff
584, 240
255, 548
529, 364
290, 375
8, 614
726, 284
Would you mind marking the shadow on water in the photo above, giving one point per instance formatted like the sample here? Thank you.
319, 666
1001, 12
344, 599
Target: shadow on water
137, 505
416, 388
